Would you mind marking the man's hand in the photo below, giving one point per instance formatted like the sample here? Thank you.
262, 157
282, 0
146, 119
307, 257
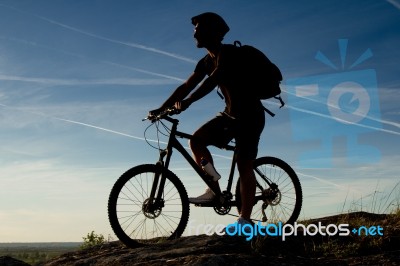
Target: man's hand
179, 107
155, 112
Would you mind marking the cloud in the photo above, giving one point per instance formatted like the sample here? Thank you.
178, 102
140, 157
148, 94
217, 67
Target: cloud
33, 191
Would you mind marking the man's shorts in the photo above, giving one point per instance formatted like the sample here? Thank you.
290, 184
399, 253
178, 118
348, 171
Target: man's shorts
220, 130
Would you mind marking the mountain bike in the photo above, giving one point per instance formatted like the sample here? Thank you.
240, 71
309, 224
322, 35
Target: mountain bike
149, 203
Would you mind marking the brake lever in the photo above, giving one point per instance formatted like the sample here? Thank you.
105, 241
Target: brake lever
151, 118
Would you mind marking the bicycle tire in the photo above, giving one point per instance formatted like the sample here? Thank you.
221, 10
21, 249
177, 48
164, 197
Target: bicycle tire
283, 206
131, 223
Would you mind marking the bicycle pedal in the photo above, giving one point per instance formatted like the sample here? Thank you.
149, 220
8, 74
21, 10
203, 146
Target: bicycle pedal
207, 204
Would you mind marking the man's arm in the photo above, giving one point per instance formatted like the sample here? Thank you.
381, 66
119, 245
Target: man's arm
183, 90
205, 88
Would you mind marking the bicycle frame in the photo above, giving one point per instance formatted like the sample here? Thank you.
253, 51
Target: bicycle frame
166, 154
138, 198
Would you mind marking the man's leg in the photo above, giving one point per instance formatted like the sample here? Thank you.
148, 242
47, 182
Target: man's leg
199, 150
247, 187
215, 133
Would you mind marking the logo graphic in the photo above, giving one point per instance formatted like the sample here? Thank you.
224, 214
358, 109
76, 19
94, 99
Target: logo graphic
282, 230
341, 105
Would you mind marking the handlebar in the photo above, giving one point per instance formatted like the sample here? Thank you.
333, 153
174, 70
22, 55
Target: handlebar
163, 114
167, 113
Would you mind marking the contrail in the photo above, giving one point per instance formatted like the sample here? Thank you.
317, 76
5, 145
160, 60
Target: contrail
127, 81
143, 71
97, 127
135, 45
150, 140
81, 123
391, 123
129, 44
330, 117
355, 124
100, 128
120, 133
172, 55
140, 70
139, 46
119, 81
326, 182
394, 3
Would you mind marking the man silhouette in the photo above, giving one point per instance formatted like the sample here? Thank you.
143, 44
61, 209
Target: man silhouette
242, 119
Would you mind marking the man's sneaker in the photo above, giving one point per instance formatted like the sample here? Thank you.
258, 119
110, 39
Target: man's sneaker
207, 197
237, 227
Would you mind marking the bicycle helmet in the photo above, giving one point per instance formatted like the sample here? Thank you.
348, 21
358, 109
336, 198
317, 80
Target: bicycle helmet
214, 22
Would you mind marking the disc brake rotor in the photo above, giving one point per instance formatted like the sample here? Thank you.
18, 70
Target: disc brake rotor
150, 209
272, 196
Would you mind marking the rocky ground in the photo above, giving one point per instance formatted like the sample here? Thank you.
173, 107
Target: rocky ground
209, 250
228, 250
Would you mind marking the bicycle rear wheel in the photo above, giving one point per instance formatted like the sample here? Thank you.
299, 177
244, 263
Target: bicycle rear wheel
136, 219
278, 192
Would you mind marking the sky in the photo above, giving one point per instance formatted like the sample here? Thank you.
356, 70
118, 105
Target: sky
77, 77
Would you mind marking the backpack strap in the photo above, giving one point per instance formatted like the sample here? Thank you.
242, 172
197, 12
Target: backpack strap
282, 104
268, 111
237, 43
280, 100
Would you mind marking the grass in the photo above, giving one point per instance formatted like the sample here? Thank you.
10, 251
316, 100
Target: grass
336, 246
363, 244
382, 211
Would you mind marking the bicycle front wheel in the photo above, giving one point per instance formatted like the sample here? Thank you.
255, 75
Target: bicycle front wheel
135, 218
278, 192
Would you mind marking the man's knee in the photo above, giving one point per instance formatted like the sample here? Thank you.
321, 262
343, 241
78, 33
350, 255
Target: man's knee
193, 141
196, 141
192, 144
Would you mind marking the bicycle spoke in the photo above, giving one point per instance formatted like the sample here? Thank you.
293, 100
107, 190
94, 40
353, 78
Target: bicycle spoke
278, 192
136, 217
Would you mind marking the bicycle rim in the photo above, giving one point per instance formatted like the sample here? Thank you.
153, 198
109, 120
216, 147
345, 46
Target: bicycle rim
131, 218
274, 205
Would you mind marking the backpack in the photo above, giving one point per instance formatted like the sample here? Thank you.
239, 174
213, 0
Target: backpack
261, 74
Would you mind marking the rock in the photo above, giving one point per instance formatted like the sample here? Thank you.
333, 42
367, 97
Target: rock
192, 250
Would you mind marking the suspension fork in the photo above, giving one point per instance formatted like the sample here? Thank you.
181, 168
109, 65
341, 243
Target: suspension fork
161, 166
155, 199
